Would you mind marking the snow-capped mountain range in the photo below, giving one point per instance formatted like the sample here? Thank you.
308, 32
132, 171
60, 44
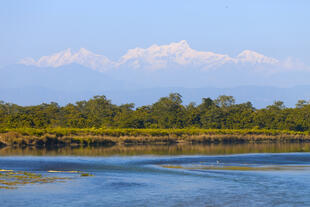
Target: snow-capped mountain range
143, 74
155, 57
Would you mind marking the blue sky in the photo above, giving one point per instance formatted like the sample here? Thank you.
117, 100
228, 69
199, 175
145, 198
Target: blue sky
278, 28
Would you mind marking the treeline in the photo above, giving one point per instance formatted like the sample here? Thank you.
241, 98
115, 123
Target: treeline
167, 112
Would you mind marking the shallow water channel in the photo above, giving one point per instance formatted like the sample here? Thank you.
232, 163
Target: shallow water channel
189, 175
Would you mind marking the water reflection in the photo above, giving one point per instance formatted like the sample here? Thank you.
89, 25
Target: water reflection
180, 149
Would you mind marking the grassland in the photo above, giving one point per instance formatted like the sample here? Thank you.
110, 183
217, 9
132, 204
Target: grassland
108, 137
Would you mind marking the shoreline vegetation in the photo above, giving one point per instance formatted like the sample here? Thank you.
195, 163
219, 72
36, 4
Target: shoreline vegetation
58, 137
156, 149
98, 122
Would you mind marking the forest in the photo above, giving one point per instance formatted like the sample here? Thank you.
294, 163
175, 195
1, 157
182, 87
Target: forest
167, 113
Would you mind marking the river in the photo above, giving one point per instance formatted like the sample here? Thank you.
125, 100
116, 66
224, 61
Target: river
189, 175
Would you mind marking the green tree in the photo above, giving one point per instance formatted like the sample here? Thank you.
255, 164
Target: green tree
224, 101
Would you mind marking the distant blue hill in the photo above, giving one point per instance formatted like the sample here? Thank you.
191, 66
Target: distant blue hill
259, 96
70, 77
29, 85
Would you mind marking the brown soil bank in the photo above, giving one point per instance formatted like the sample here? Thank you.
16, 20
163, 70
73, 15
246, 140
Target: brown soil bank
107, 137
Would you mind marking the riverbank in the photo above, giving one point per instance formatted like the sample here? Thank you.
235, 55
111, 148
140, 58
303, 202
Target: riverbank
53, 137
159, 150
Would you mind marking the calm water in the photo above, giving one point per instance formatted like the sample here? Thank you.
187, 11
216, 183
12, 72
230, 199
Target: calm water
269, 175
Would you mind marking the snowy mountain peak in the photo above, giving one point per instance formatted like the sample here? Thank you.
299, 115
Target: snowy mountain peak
83, 57
248, 56
176, 53
182, 45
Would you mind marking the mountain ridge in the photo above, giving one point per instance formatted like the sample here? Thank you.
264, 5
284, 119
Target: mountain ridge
154, 57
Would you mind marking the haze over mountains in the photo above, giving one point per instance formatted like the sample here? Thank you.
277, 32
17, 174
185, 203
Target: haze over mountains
143, 75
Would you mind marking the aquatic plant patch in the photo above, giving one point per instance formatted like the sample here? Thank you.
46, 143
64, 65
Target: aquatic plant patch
10, 179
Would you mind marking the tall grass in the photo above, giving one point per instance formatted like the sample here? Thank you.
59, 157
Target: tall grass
103, 136
118, 132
